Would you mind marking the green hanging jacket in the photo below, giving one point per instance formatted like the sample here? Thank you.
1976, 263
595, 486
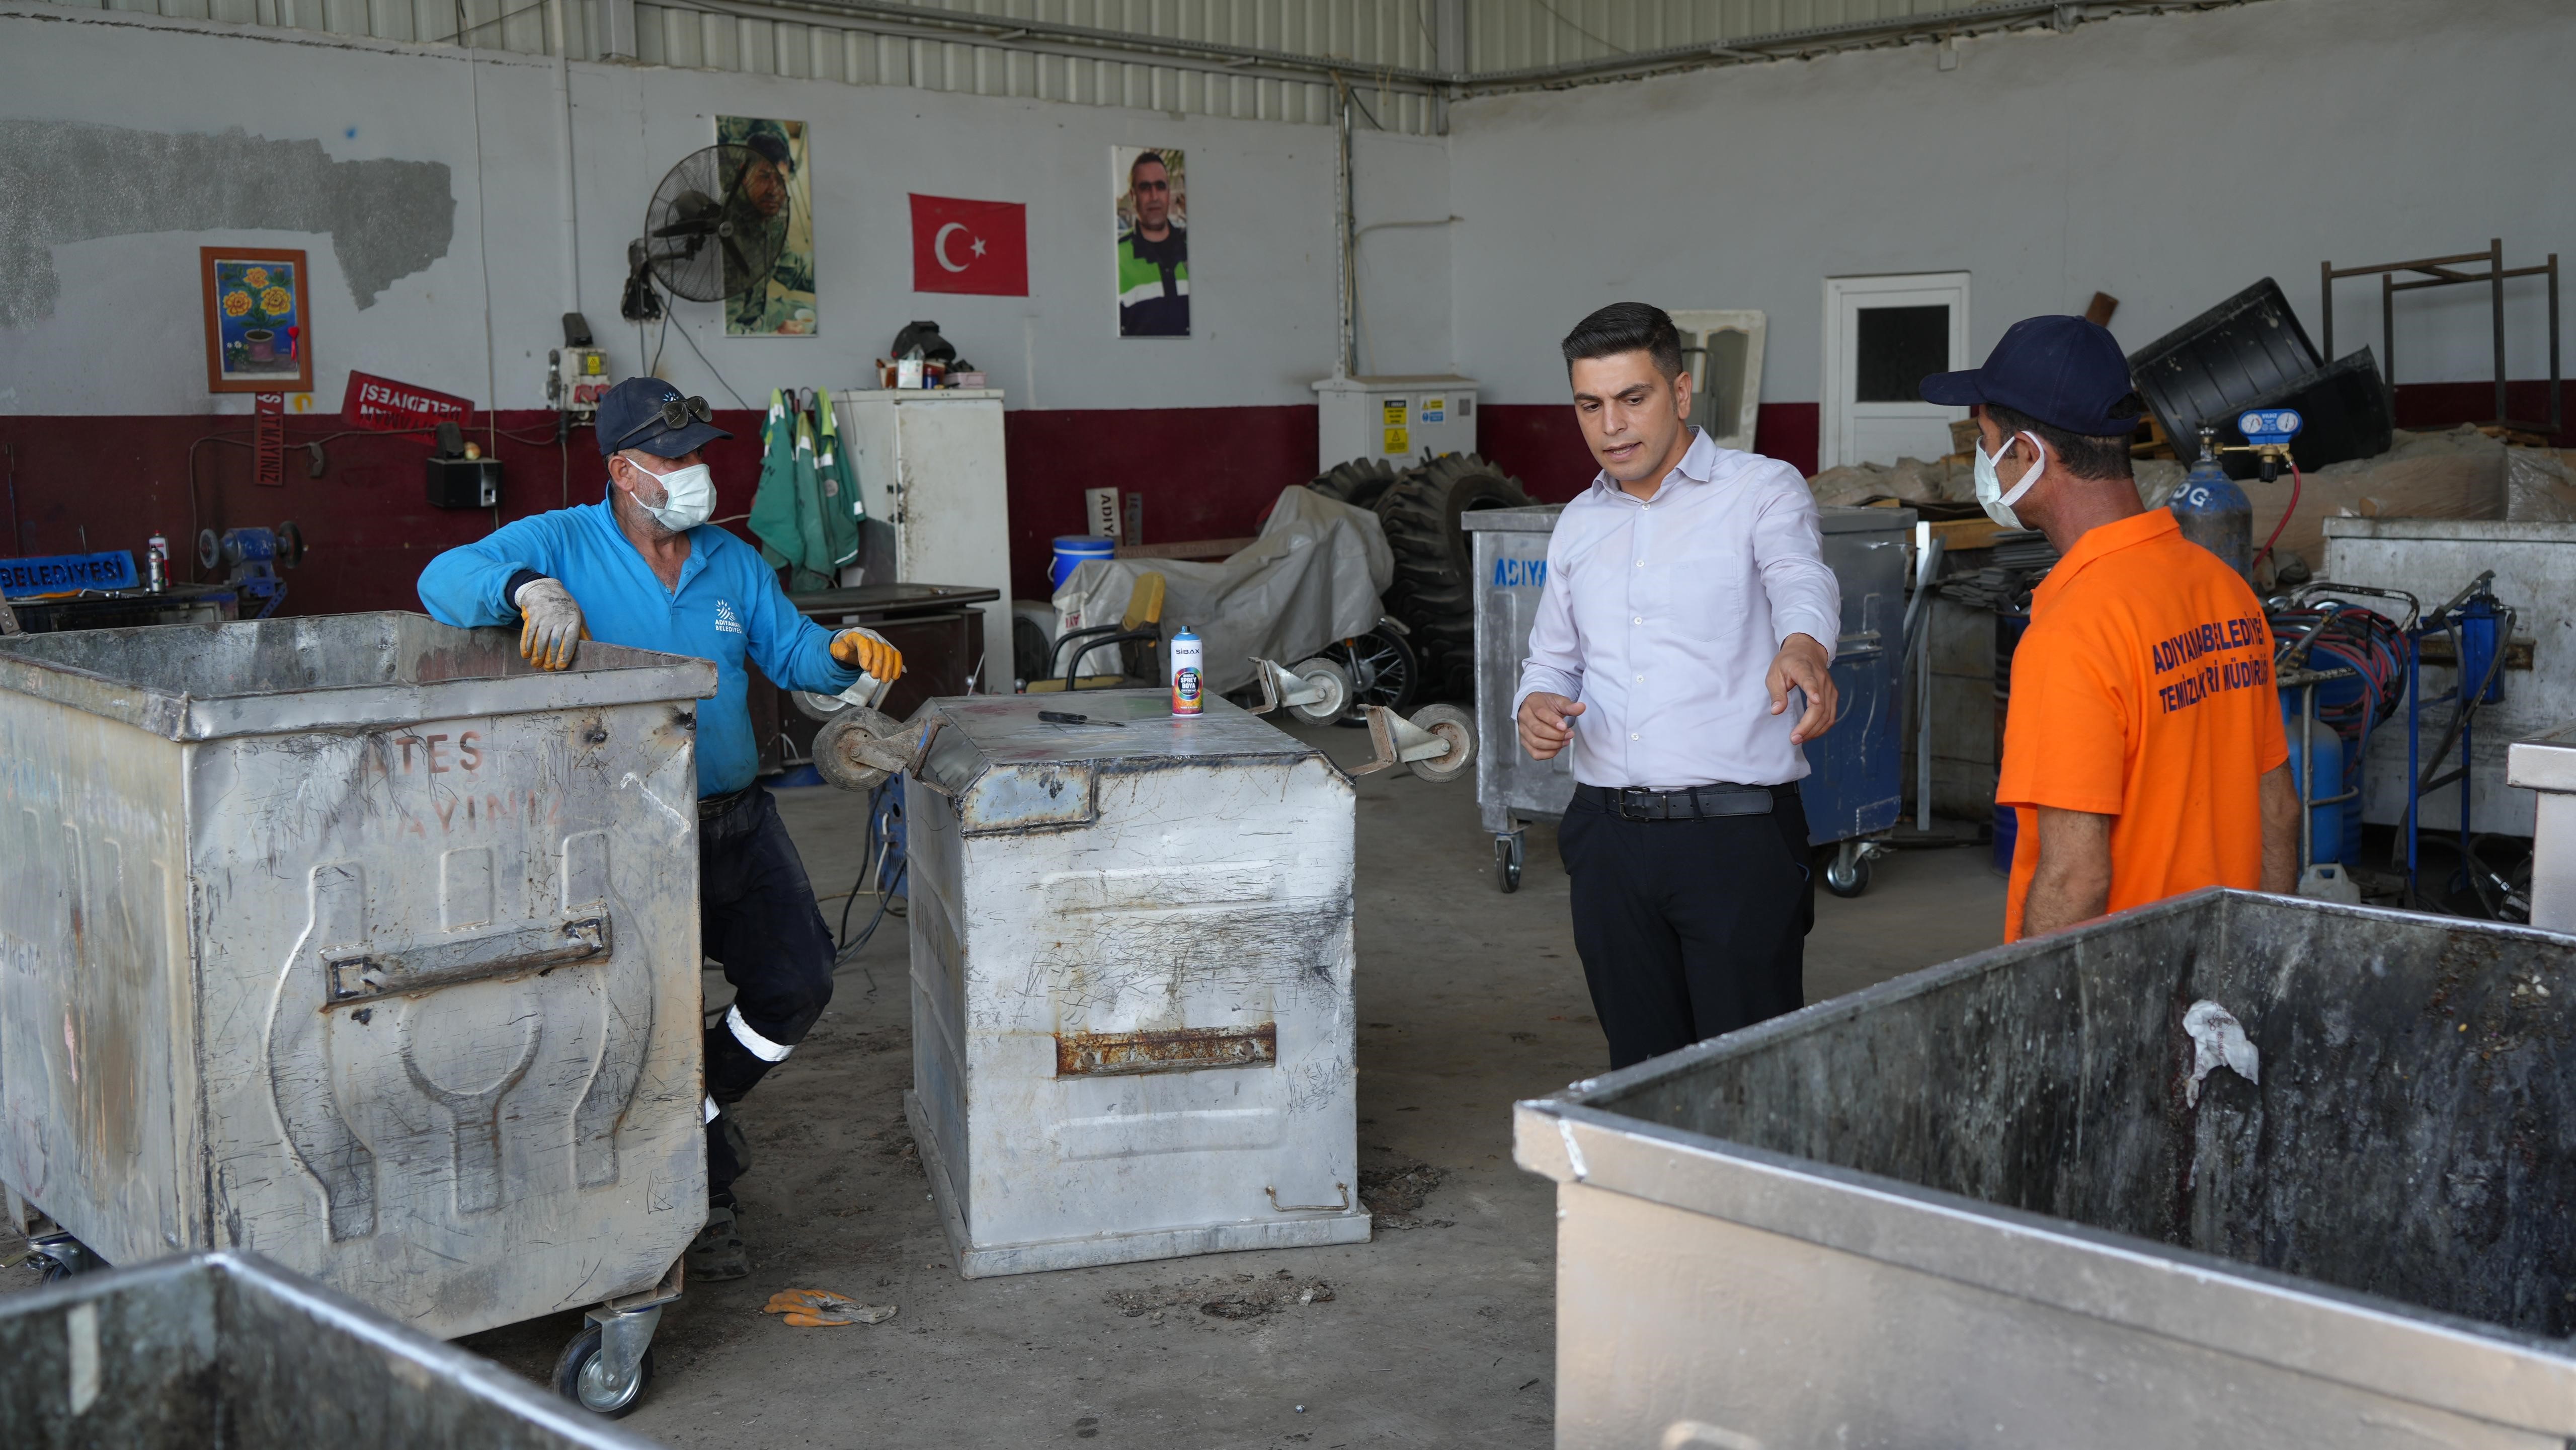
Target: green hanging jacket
802, 514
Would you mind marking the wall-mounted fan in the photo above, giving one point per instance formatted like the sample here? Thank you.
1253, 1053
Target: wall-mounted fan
713, 231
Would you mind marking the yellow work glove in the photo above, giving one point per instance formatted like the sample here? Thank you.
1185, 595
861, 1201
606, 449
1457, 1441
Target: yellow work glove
551, 628
868, 653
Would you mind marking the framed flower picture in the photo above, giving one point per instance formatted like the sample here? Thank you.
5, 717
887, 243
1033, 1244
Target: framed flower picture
258, 334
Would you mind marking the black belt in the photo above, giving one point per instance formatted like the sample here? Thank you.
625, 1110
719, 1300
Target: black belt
711, 807
1698, 802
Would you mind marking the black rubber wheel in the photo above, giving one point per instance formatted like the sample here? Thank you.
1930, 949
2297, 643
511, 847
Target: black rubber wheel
1384, 670
1359, 483
56, 1271
1434, 591
1842, 883
579, 1361
1507, 867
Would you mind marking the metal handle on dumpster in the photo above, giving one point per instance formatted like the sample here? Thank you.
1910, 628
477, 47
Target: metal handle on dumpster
363, 975
1342, 1207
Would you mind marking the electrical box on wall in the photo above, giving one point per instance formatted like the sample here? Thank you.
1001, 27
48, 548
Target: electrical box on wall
1395, 418
576, 379
464, 483
460, 477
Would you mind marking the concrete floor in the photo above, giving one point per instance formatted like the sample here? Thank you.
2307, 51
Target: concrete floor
1437, 1333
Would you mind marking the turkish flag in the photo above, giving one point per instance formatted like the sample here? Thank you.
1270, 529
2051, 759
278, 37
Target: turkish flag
970, 246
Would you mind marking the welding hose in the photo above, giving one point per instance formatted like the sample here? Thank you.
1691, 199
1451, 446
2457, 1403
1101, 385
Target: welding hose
2265, 552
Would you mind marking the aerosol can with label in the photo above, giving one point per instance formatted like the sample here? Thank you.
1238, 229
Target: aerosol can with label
156, 564
1189, 675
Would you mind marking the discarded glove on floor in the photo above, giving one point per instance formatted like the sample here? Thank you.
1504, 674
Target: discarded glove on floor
821, 1308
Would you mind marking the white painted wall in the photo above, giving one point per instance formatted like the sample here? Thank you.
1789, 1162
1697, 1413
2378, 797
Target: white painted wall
2048, 166
2167, 160
124, 336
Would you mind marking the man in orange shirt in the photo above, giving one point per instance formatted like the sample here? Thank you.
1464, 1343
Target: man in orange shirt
2143, 750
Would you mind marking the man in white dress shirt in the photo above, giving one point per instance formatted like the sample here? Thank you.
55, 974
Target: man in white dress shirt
1687, 604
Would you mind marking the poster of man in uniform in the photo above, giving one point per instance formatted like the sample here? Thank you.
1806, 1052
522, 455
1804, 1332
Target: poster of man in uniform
770, 207
1153, 242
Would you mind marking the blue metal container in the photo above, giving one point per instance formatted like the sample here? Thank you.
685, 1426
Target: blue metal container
1072, 551
2215, 514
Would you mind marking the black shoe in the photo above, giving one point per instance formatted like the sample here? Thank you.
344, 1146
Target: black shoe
719, 1252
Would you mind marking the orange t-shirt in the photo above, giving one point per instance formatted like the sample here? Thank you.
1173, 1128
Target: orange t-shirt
2143, 690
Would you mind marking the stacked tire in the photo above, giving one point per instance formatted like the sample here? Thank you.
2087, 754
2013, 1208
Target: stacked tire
1434, 590
1359, 483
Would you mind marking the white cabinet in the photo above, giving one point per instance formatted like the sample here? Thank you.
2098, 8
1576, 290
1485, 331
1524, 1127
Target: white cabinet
932, 476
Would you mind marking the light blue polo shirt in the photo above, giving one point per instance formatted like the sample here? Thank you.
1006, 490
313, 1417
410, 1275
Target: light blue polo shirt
728, 607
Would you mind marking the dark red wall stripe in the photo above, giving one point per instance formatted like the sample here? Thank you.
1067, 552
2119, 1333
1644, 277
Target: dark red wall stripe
109, 482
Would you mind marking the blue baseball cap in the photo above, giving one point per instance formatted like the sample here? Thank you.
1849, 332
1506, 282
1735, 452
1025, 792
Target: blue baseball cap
637, 413
2064, 371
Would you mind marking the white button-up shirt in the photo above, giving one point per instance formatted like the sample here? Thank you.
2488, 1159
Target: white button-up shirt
1663, 617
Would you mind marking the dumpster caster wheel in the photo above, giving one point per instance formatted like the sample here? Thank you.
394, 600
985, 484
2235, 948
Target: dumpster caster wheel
1508, 854
583, 1378
60, 1256
1847, 873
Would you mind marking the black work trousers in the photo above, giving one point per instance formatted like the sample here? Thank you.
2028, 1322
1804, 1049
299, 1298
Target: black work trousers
1689, 928
756, 916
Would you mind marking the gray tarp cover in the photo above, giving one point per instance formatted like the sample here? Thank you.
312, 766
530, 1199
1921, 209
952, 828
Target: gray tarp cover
1313, 577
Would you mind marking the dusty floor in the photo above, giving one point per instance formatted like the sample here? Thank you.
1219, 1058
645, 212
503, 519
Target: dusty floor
1438, 1332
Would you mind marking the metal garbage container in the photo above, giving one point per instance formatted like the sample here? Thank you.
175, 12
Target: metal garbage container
1857, 779
2049, 1195
1131, 982
360, 943
222, 1350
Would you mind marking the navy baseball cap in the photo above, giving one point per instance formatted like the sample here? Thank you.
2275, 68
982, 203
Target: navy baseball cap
637, 412
2064, 371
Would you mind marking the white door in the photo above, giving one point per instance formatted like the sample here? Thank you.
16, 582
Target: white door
1882, 336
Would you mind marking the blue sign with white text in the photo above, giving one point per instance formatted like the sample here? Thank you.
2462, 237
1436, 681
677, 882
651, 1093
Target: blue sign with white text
63, 573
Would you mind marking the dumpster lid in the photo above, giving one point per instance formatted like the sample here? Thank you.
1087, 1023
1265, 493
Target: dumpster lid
1537, 520
1864, 519
1006, 771
1006, 730
325, 672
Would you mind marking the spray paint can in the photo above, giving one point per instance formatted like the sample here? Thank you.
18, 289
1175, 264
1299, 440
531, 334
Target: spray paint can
1189, 676
156, 564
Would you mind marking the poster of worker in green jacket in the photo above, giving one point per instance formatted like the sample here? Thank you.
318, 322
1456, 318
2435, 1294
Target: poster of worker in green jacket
770, 214
1153, 242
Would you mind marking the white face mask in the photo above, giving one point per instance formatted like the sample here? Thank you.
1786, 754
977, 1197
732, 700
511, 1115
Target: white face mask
688, 496
1990, 486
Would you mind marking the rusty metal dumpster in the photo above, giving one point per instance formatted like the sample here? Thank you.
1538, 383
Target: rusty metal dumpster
223, 1350
1132, 1022
2226, 1170
353, 941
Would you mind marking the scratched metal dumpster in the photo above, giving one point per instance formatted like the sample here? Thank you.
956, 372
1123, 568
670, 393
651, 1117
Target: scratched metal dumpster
1131, 983
2041, 1197
214, 1351
353, 941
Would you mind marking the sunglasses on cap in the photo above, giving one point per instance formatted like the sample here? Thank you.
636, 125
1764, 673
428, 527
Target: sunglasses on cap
674, 413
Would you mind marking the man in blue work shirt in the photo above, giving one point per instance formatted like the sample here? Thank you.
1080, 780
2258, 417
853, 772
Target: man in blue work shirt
644, 568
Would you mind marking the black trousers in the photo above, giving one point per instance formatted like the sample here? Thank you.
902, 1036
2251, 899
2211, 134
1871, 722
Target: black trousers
756, 916
1688, 929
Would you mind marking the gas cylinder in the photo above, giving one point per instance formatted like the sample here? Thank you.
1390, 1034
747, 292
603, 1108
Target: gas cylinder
2326, 822
2214, 512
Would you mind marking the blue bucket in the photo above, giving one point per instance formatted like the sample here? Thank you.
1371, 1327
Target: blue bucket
1074, 550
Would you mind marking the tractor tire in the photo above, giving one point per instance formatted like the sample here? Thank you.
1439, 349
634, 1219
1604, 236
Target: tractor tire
1359, 483
1434, 589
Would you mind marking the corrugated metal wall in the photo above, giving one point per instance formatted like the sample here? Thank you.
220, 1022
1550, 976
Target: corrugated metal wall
1500, 35
1368, 32
1510, 34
